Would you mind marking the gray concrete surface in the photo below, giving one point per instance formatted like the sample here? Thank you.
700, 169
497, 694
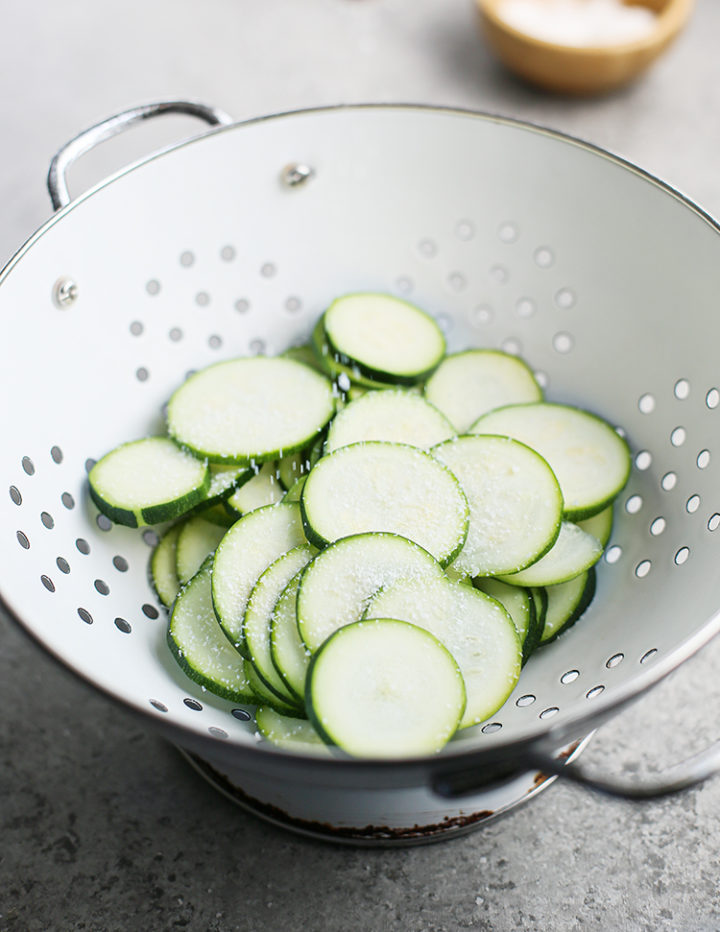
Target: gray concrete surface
102, 825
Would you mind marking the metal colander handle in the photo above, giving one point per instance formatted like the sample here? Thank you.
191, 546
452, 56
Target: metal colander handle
683, 776
91, 137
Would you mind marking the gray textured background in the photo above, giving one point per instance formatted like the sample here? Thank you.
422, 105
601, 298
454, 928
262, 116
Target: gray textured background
102, 826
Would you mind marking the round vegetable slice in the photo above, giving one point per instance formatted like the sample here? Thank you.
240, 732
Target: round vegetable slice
572, 553
475, 628
258, 616
589, 458
467, 385
289, 733
393, 415
337, 585
385, 689
566, 603
289, 654
147, 481
197, 539
199, 645
244, 553
250, 409
515, 503
386, 338
163, 571
393, 487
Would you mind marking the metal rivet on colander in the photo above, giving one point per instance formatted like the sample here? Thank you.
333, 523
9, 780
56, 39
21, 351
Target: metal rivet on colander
64, 292
296, 173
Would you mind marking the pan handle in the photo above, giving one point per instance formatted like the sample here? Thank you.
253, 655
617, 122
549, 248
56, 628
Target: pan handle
89, 138
683, 776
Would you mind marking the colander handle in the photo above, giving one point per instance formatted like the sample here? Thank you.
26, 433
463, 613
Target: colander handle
89, 138
683, 776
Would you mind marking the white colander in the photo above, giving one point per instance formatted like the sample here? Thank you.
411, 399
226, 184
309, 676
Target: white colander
601, 277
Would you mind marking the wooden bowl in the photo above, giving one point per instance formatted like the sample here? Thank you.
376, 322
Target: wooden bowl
587, 69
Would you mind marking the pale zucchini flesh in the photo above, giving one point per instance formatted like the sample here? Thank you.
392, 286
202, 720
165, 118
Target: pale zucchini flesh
475, 628
385, 689
392, 415
573, 552
566, 603
249, 410
337, 585
515, 503
199, 645
197, 539
244, 553
263, 488
163, 568
467, 385
385, 337
148, 481
258, 616
289, 654
289, 733
589, 458
377, 486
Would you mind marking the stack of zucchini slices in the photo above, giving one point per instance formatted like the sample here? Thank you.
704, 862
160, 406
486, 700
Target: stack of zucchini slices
370, 537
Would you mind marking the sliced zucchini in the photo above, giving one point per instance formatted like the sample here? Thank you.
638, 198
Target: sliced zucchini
262, 489
337, 585
566, 603
294, 493
590, 459
198, 538
216, 514
250, 410
540, 600
163, 572
199, 645
520, 605
600, 525
258, 616
289, 654
386, 338
467, 385
475, 628
291, 467
265, 696
409, 706
147, 481
393, 415
573, 552
304, 354
377, 486
244, 553
289, 733
346, 378
515, 503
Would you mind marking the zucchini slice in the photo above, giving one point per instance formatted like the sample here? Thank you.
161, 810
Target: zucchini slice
590, 459
265, 696
163, 572
199, 645
337, 585
469, 384
289, 733
396, 416
147, 481
262, 489
258, 616
566, 603
600, 525
475, 628
572, 553
520, 605
244, 553
387, 339
250, 410
377, 486
515, 503
289, 654
411, 703
198, 539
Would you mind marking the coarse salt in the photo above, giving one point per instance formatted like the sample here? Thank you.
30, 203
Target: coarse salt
580, 23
